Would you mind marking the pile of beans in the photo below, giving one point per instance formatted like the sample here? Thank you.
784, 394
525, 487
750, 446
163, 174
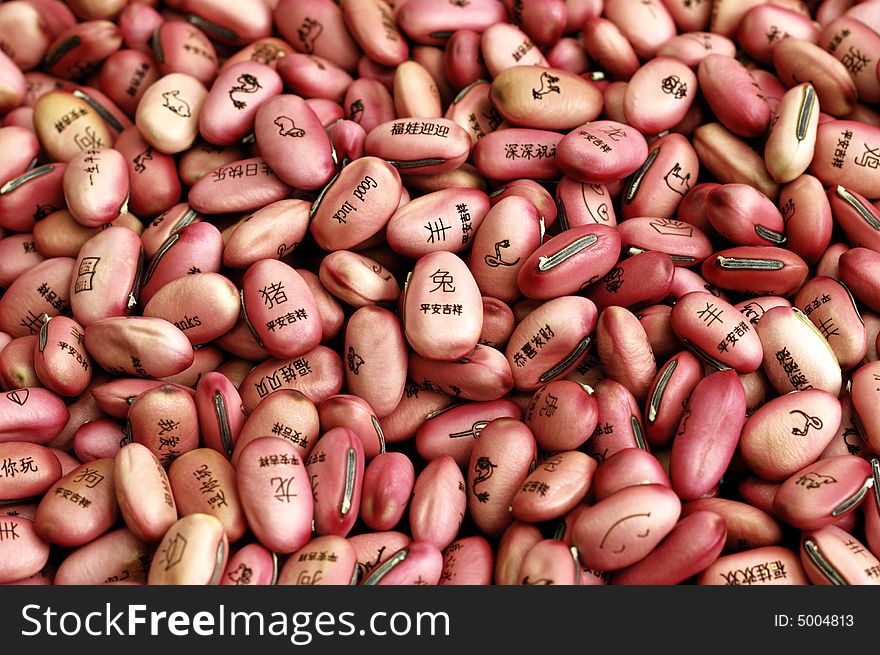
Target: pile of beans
440, 292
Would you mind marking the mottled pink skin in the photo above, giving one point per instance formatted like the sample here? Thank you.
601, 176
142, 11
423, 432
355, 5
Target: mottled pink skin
354, 413
693, 544
286, 322
600, 248
153, 180
422, 564
644, 279
668, 394
326, 560
34, 481
708, 434
348, 139
356, 205
623, 528
808, 219
204, 559
95, 41
796, 60
744, 215
531, 191
18, 253
106, 276
444, 148
571, 319
854, 177
811, 498
565, 477
747, 526
34, 415
720, 75
550, 562
704, 335
763, 20
624, 350
863, 396
336, 459
61, 521
116, 556
317, 27
420, 19
453, 432
311, 76
438, 502
835, 303
249, 21
181, 47
98, 438
647, 27
197, 247
320, 377
689, 46
168, 114
387, 487
160, 348
229, 110
450, 336
143, 492
661, 184
581, 204
796, 355
601, 152
126, 70
728, 569
199, 466
648, 105
405, 230
220, 427
30, 196
115, 396
242, 186
463, 59
271, 232
484, 374
627, 468
779, 280
513, 224
857, 216
24, 556
280, 517
137, 21
854, 35
60, 359
253, 564
21, 147
843, 553
491, 159
468, 561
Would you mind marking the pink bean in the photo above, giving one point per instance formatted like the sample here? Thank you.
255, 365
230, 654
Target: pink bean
25, 555
271, 232
556, 486
116, 556
247, 22
251, 565
707, 435
601, 152
229, 110
781, 563
317, 27
441, 145
181, 47
195, 550
168, 113
88, 511
851, 345
34, 468
621, 529
153, 180
417, 563
357, 280
203, 481
757, 270
387, 487
326, 560
808, 218
510, 153
143, 493
31, 196
832, 556
425, 23
335, 470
